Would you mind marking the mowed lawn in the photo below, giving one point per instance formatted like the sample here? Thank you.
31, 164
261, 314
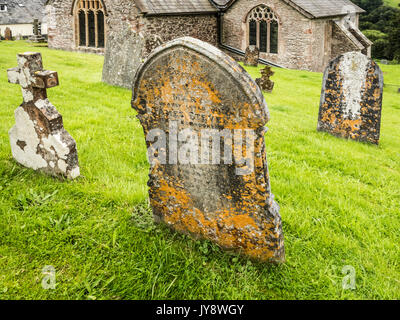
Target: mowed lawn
340, 202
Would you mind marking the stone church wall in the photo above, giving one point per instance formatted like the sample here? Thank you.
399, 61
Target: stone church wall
203, 27
119, 12
306, 44
301, 40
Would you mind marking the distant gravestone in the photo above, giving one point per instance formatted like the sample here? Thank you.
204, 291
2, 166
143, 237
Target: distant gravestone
36, 37
384, 61
351, 99
38, 139
265, 83
8, 34
251, 56
203, 117
123, 55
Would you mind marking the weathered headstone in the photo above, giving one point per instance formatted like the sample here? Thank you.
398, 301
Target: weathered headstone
384, 61
38, 139
251, 56
36, 37
197, 107
351, 99
124, 53
8, 34
265, 83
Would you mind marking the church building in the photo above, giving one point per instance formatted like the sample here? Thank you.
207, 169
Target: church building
297, 34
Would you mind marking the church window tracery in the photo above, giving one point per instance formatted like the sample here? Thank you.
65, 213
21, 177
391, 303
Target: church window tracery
89, 23
263, 29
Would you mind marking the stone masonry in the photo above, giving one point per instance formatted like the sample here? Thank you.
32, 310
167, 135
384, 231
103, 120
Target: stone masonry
61, 30
304, 42
131, 44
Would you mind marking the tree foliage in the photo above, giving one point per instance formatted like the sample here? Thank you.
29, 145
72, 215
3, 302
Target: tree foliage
381, 24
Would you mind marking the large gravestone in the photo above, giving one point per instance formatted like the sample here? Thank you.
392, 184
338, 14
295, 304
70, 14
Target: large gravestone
351, 99
122, 57
125, 51
203, 117
38, 139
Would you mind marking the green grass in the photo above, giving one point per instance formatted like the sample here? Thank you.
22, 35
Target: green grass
339, 202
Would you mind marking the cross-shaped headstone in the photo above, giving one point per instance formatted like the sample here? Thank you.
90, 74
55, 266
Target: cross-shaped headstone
36, 27
38, 139
30, 75
265, 82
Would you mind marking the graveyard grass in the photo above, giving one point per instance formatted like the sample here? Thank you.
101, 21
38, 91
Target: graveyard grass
339, 202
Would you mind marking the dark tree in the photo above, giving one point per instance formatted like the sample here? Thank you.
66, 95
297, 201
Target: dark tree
394, 38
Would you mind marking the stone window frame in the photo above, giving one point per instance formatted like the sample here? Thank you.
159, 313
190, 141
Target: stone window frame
258, 14
87, 6
3, 7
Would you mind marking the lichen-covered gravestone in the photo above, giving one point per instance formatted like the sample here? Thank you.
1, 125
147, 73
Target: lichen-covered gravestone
38, 139
203, 117
265, 83
251, 56
351, 99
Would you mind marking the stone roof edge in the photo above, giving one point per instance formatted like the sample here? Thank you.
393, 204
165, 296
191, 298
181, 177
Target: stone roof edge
348, 34
293, 5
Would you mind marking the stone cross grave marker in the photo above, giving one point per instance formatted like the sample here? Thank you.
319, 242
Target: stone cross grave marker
37, 37
265, 83
203, 118
38, 139
251, 56
8, 34
351, 98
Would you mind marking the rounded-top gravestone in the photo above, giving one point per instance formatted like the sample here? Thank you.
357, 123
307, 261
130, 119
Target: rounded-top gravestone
351, 98
203, 118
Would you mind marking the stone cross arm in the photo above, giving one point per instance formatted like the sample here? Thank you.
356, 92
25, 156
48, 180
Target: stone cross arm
41, 79
31, 77
30, 73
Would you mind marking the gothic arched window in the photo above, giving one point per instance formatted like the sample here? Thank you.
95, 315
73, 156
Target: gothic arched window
263, 29
89, 23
